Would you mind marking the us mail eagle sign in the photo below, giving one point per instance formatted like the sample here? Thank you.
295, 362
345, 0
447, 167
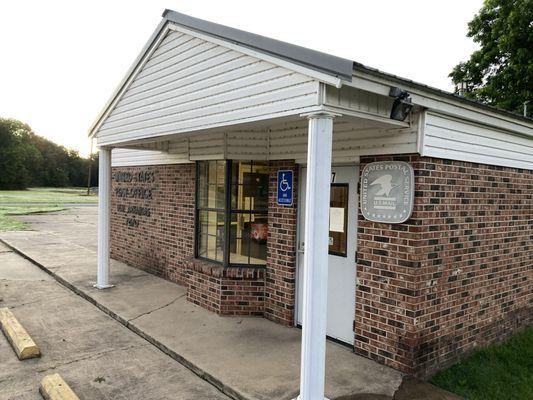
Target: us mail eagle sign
387, 191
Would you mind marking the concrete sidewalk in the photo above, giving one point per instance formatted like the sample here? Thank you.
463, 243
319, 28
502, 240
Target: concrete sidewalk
98, 357
246, 358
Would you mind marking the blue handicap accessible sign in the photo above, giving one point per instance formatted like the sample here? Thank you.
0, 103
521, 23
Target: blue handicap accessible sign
285, 187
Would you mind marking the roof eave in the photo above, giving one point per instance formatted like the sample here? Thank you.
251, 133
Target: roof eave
127, 76
323, 63
312, 59
329, 65
439, 92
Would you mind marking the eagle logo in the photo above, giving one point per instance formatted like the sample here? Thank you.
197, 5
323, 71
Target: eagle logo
385, 181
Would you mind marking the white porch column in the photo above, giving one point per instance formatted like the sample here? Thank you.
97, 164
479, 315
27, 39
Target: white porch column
312, 374
104, 211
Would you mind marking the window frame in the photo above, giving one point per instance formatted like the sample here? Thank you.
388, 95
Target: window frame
228, 212
345, 252
197, 211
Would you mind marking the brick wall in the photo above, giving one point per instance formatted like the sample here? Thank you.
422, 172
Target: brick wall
455, 276
162, 243
226, 291
204, 290
385, 295
152, 218
280, 280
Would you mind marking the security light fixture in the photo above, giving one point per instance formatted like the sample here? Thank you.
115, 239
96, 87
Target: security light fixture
402, 105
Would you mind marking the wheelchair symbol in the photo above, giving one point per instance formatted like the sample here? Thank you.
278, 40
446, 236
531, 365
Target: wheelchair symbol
284, 184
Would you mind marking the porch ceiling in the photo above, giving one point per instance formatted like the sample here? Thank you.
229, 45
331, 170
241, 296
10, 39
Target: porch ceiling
289, 124
284, 138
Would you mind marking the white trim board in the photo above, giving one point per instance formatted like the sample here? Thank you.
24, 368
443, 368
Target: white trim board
443, 105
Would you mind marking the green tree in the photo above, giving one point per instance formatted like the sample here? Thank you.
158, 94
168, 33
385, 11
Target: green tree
27, 159
18, 158
92, 162
500, 73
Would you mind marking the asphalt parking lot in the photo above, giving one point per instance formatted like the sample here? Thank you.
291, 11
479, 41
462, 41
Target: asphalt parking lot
97, 357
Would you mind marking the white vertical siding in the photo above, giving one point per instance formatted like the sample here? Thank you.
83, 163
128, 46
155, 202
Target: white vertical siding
189, 84
448, 137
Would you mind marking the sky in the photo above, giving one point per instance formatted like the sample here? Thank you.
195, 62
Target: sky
61, 60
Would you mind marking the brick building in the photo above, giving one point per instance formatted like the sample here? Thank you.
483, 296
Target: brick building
218, 140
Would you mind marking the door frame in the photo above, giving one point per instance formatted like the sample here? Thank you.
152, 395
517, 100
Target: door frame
299, 254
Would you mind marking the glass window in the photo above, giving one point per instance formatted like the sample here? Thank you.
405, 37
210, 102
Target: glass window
211, 210
338, 219
236, 235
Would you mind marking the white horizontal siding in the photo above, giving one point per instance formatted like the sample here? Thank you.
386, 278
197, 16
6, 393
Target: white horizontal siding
132, 157
361, 101
207, 147
189, 84
447, 137
179, 146
350, 141
247, 146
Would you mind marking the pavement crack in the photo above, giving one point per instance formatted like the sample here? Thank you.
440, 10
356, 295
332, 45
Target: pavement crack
159, 308
13, 306
94, 356
139, 276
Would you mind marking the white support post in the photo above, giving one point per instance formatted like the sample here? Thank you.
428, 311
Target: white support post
312, 373
104, 210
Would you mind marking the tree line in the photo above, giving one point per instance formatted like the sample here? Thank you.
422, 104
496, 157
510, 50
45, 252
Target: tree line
27, 160
500, 72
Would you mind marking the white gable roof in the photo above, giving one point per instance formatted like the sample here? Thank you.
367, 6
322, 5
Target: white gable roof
302, 63
180, 36
187, 83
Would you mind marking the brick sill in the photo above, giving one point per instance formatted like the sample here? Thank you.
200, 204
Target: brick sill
214, 269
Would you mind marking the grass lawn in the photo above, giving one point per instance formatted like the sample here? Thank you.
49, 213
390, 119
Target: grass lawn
37, 200
49, 196
501, 371
7, 223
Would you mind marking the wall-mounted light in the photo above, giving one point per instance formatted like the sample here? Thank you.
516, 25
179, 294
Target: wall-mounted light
402, 105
